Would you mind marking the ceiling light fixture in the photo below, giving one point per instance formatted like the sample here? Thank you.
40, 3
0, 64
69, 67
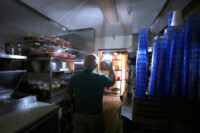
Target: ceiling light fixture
129, 9
64, 28
109, 10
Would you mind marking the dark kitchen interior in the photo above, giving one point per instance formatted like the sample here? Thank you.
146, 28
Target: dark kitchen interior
152, 47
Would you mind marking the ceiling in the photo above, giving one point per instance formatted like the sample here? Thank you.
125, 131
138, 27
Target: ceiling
80, 14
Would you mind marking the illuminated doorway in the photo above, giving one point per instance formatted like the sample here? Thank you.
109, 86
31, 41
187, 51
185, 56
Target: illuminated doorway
118, 57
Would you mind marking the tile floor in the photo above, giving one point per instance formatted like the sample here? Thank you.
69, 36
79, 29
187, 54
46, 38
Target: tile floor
111, 109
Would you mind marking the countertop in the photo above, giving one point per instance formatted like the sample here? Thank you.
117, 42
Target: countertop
127, 109
55, 100
30, 114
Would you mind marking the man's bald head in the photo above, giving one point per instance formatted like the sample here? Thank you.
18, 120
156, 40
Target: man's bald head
90, 61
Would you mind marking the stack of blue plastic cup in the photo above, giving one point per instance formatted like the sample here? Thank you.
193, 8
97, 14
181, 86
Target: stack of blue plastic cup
141, 73
176, 64
186, 64
171, 30
191, 78
158, 68
170, 19
142, 63
143, 39
169, 36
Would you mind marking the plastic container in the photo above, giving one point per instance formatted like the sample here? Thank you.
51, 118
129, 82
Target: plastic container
170, 19
142, 63
157, 80
176, 59
141, 73
191, 67
169, 36
176, 18
143, 39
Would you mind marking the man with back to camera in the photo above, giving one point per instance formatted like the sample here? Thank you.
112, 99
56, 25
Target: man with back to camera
87, 89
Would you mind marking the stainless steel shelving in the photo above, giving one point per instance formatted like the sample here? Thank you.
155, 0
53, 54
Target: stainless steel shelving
44, 68
120, 70
48, 58
11, 71
7, 56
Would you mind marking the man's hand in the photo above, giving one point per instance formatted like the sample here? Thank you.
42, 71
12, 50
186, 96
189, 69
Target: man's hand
69, 98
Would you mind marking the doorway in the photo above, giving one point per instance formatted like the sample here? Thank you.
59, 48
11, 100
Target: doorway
118, 58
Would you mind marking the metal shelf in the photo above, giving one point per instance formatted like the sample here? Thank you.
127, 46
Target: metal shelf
109, 70
76, 71
72, 50
7, 56
116, 60
11, 71
118, 80
39, 41
47, 73
66, 72
53, 94
3, 90
48, 58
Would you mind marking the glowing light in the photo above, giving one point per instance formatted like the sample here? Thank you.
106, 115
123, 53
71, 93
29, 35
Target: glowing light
107, 58
120, 56
53, 65
63, 28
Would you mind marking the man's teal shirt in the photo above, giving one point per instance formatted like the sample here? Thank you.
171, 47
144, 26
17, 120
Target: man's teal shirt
87, 88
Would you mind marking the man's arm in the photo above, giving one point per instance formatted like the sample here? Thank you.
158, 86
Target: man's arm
111, 73
109, 80
69, 98
69, 92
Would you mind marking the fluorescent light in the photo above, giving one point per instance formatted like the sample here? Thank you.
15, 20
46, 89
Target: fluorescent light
63, 28
79, 63
109, 10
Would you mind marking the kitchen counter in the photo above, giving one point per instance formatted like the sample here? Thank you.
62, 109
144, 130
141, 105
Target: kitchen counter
56, 99
26, 117
127, 112
66, 109
127, 109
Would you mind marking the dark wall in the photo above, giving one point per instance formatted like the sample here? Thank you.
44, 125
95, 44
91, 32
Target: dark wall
17, 21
